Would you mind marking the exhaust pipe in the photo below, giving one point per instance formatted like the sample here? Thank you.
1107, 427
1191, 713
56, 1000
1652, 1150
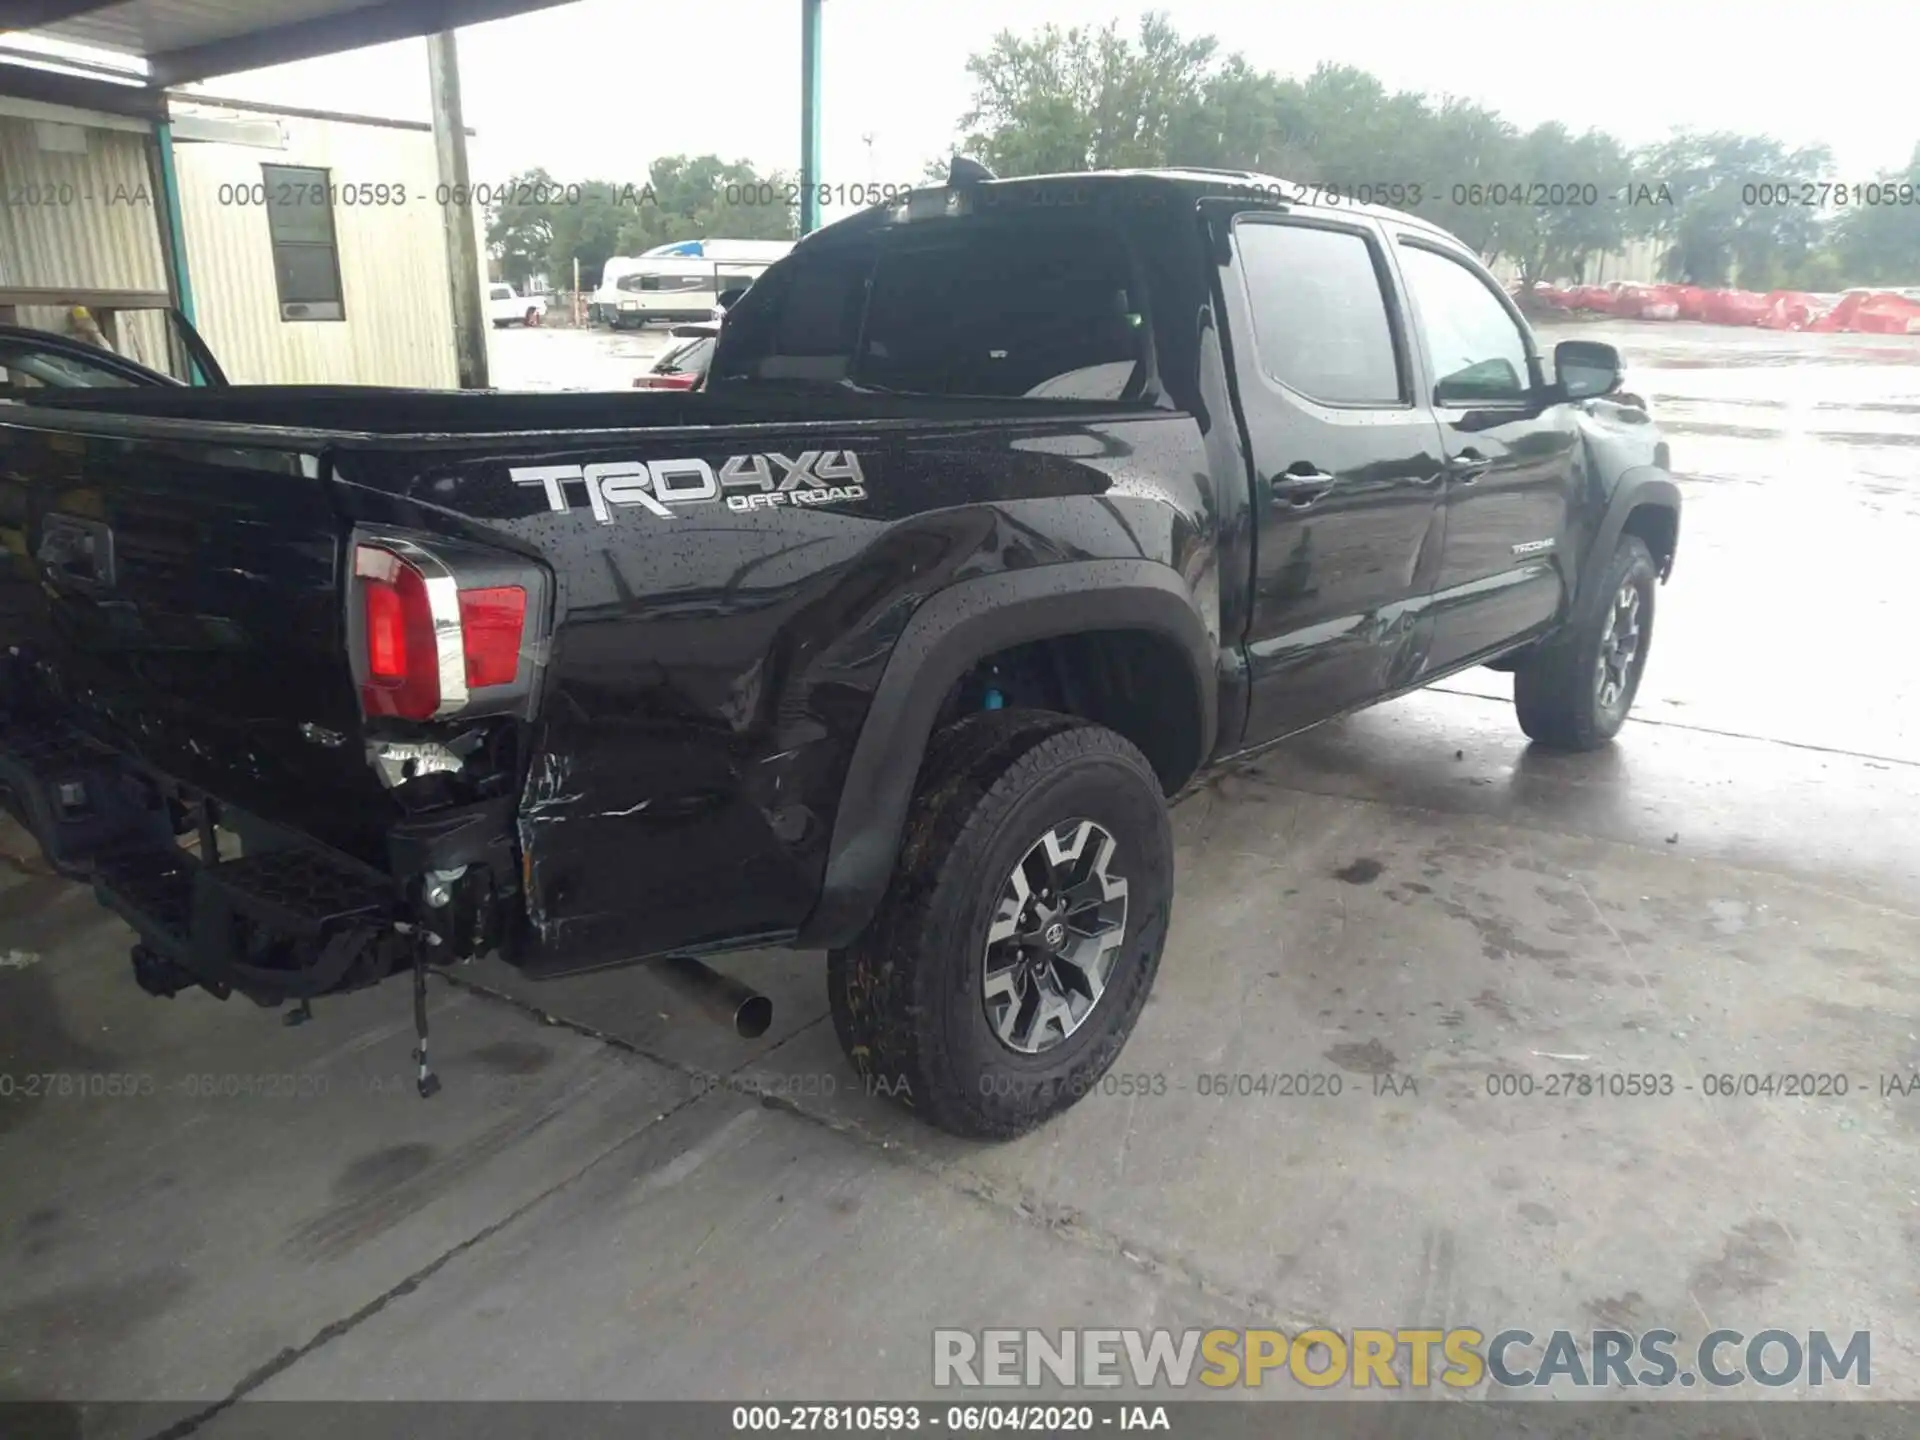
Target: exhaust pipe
742, 1009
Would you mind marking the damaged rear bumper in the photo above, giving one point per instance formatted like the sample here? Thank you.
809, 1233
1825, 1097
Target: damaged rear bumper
285, 921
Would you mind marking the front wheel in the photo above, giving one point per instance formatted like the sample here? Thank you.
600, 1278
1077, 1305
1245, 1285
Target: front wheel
1575, 694
1020, 934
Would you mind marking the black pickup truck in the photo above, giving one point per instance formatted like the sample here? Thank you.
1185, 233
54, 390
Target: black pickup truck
1004, 511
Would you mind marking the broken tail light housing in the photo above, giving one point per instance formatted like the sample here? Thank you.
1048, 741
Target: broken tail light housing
438, 629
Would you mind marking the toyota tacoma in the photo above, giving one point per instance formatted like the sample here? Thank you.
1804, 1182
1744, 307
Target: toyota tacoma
1004, 511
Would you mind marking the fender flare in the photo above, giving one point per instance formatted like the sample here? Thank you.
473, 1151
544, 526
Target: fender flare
1642, 485
946, 635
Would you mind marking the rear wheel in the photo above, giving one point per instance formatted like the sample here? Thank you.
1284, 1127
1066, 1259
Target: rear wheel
1575, 695
1020, 934
532, 317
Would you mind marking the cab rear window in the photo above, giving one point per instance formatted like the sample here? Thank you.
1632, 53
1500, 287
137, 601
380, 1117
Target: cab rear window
972, 308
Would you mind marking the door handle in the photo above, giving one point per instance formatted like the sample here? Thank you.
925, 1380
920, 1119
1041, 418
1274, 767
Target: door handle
76, 553
1468, 466
1302, 485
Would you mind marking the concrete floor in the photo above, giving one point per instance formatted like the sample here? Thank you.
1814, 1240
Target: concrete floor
1734, 886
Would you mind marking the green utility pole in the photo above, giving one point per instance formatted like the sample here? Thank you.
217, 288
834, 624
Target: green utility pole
810, 177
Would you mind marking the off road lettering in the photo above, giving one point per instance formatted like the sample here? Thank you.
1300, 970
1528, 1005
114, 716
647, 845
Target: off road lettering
812, 478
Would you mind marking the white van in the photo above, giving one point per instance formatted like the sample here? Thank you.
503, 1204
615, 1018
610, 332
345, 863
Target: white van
506, 306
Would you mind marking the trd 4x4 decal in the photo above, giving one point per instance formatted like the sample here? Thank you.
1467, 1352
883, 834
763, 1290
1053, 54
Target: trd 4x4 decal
744, 482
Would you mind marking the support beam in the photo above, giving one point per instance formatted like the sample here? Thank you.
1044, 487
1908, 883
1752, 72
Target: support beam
372, 24
91, 298
26, 15
173, 243
173, 232
811, 179
29, 84
463, 249
121, 74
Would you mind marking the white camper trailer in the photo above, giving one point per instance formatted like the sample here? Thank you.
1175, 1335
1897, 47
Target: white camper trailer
680, 282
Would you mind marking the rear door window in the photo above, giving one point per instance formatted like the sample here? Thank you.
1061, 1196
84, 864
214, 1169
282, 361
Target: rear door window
1320, 323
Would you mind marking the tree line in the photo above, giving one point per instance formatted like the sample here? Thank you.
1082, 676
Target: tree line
1722, 208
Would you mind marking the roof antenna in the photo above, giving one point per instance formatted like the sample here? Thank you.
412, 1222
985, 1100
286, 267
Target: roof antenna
965, 171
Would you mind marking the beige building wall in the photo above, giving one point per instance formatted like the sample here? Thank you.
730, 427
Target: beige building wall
397, 327
79, 211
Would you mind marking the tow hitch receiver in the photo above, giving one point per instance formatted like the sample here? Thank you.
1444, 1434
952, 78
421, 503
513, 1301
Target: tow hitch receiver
286, 925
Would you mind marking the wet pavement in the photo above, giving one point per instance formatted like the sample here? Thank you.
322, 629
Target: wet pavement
610, 1200
555, 357
1800, 462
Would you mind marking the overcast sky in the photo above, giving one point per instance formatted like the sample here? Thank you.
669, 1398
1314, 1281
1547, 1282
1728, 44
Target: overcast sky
599, 87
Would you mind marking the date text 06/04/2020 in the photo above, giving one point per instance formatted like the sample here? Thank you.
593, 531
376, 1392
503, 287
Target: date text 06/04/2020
1043, 1419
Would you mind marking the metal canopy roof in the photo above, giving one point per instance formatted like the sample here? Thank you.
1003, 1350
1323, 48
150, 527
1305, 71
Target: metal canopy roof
187, 40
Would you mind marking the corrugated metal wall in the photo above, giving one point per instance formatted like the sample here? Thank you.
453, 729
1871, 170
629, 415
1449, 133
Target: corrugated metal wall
398, 328
89, 220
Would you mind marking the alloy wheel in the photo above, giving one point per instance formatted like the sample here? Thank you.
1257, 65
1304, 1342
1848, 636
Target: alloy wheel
1619, 648
1055, 935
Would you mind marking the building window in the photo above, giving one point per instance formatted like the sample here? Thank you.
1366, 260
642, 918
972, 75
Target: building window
306, 255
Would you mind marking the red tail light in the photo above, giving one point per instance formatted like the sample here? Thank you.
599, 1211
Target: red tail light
491, 623
402, 673
434, 627
666, 382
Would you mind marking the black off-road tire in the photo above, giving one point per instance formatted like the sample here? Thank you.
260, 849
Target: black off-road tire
1558, 692
907, 996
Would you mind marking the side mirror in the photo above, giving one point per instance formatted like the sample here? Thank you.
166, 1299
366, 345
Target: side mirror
1583, 369
730, 298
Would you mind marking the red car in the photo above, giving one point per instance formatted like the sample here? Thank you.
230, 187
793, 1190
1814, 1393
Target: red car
684, 365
